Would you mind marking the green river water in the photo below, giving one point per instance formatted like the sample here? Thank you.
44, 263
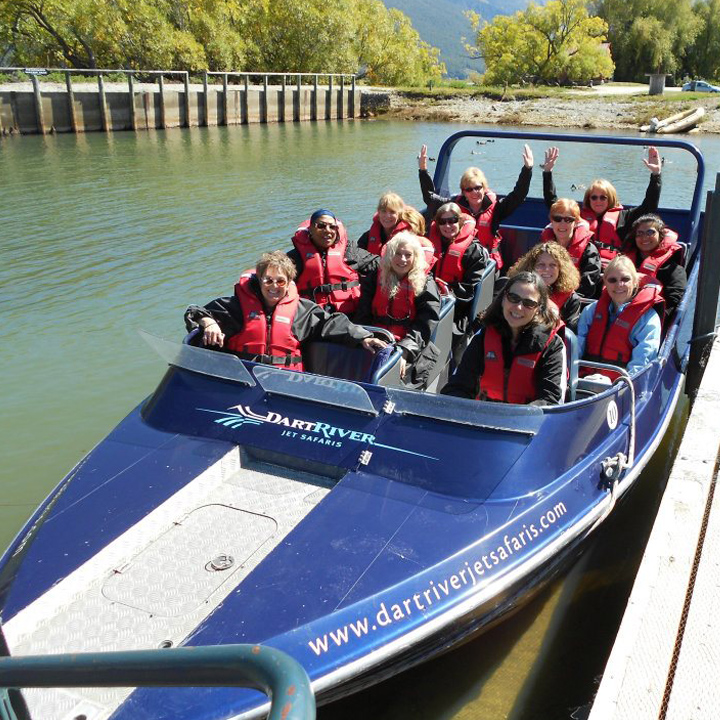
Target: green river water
103, 235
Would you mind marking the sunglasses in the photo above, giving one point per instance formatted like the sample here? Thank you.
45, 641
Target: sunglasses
646, 233
324, 225
280, 282
474, 188
626, 279
449, 220
598, 197
563, 218
515, 299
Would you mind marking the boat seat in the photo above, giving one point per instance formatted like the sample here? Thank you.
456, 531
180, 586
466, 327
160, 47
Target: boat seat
343, 362
484, 290
573, 360
442, 336
586, 386
355, 364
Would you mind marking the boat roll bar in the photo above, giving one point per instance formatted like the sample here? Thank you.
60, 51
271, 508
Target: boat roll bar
260, 667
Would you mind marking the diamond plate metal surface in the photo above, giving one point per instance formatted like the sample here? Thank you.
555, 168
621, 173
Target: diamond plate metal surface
150, 585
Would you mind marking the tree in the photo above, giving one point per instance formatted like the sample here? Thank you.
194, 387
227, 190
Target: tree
648, 35
703, 57
558, 42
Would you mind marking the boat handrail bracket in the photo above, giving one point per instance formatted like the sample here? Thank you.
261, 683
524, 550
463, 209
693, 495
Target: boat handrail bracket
273, 672
317, 389
200, 360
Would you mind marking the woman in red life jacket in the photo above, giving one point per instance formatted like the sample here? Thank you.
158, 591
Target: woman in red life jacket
553, 264
390, 219
623, 326
517, 356
266, 321
654, 249
568, 229
329, 266
402, 298
460, 259
477, 200
609, 221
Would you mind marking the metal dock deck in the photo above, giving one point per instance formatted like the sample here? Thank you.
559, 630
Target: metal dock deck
665, 663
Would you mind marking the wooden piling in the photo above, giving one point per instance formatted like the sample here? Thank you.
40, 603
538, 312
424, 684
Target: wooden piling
314, 108
341, 103
297, 104
225, 100
104, 121
187, 99
352, 98
71, 103
283, 100
163, 119
206, 100
264, 101
246, 100
131, 98
39, 116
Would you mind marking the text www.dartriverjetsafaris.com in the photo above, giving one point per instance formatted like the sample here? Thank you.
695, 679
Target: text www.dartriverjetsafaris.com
437, 591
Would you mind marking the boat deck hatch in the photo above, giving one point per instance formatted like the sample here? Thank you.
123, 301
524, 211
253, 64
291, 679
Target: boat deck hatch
184, 566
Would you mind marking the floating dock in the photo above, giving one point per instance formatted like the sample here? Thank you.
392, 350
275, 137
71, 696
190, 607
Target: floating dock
665, 662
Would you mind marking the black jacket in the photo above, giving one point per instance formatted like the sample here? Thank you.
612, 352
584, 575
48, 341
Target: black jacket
549, 372
311, 321
627, 215
427, 314
505, 205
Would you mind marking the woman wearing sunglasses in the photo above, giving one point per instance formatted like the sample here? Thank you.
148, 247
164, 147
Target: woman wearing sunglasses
553, 264
517, 357
459, 259
609, 221
623, 326
402, 298
568, 229
654, 249
477, 200
392, 216
328, 264
266, 321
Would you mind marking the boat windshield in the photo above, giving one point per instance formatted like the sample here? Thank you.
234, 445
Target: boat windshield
315, 388
523, 419
200, 360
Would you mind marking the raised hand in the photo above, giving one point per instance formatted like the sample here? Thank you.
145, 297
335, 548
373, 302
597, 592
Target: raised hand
551, 155
423, 158
653, 162
527, 156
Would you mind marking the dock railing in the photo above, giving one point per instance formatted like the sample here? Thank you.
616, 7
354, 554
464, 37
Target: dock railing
265, 79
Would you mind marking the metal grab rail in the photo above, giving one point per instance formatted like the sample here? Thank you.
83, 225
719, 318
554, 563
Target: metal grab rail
254, 666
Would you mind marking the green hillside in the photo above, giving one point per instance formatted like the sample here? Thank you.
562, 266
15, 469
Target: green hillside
442, 24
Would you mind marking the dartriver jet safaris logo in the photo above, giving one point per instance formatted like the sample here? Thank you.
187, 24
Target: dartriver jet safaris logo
313, 431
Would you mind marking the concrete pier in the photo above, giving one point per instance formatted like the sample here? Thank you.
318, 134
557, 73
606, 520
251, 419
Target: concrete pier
33, 107
665, 662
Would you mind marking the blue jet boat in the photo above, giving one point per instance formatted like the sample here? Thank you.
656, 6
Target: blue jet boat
357, 526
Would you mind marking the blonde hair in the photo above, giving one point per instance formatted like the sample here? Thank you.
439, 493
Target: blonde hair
625, 264
414, 219
417, 276
567, 206
473, 175
277, 260
568, 275
606, 188
391, 201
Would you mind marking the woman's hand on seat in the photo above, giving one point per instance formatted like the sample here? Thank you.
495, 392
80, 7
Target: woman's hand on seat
373, 344
212, 335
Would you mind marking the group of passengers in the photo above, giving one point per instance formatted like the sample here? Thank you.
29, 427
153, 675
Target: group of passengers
608, 272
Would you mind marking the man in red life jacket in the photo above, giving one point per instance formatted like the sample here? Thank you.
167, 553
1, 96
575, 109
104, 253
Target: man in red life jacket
266, 321
328, 264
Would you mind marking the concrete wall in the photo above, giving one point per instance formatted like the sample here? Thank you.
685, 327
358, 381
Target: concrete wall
19, 109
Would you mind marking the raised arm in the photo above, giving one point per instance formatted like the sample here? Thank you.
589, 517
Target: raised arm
549, 193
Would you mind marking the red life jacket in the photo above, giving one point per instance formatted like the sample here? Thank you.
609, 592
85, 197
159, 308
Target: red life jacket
519, 384
274, 344
612, 344
560, 298
326, 278
668, 247
606, 238
394, 314
375, 243
579, 241
449, 260
483, 226
429, 253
